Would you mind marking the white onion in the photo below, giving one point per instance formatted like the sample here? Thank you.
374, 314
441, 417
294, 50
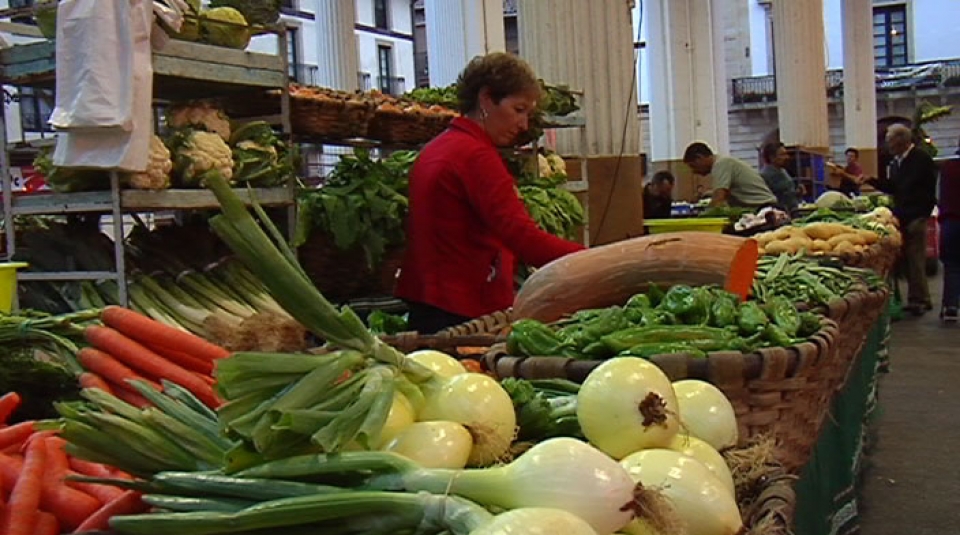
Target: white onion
535, 521
706, 454
442, 364
480, 404
627, 404
400, 417
706, 413
434, 444
698, 497
559, 473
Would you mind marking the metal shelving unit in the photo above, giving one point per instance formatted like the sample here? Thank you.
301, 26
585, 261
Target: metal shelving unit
182, 71
575, 186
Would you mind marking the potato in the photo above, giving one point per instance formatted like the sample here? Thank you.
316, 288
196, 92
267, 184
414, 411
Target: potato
765, 238
850, 237
820, 246
844, 248
779, 247
782, 233
869, 237
825, 231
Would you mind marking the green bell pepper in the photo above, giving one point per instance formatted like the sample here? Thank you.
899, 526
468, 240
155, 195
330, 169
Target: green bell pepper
751, 318
533, 338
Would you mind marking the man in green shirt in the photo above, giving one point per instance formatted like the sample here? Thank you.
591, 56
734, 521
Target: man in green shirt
734, 182
777, 178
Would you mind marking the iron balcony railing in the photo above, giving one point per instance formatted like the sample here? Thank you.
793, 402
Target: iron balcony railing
305, 74
946, 73
364, 81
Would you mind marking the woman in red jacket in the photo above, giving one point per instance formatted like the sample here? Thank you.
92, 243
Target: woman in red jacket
466, 222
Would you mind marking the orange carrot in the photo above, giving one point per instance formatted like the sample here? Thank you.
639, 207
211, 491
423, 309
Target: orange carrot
183, 359
108, 367
153, 333
10, 468
140, 358
47, 524
133, 398
89, 468
16, 434
92, 380
70, 505
20, 516
126, 504
9, 403
207, 379
103, 493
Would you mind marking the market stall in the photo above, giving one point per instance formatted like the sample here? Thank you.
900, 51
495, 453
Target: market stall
207, 377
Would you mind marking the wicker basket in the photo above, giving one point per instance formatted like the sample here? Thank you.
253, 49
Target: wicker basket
880, 257
344, 275
406, 127
332, 119
771, 511
470, 339
775, 391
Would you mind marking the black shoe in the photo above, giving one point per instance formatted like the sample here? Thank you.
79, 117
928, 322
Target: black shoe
949, 315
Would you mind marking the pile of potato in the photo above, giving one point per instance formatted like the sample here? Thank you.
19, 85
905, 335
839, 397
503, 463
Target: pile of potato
833, 238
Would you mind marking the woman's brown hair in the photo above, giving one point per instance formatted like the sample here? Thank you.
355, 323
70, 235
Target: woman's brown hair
501, 73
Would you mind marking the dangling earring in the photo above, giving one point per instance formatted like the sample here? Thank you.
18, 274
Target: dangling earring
483, 114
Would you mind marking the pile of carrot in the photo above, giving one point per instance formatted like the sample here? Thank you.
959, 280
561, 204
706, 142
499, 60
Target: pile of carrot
36, 498
132, 346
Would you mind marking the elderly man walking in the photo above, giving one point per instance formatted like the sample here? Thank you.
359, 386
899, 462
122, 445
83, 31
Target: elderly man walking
912, 181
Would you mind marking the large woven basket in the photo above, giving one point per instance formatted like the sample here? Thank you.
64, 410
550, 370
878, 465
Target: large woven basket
342, 275
775, 391
880, 257
469, 339
330, 119
406, 127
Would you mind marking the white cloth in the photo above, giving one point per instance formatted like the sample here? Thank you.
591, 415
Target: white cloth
104, 84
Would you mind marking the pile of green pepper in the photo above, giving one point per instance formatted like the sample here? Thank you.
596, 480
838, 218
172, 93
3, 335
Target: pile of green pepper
692, 320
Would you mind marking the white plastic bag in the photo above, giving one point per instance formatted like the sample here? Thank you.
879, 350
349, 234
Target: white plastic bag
119, 137
94, 58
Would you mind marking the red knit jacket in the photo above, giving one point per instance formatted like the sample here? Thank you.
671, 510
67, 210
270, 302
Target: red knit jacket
465, 225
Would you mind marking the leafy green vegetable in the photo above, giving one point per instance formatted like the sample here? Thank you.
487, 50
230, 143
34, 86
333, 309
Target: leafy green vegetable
364, 204
381, 322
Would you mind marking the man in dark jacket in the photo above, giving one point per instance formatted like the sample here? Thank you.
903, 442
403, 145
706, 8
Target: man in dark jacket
658, 196
912, 181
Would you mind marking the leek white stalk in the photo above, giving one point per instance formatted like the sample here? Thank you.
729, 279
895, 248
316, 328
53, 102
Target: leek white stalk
706, 454
440, 363
434, 444
698, 497
480, 404
627, 404
706, 413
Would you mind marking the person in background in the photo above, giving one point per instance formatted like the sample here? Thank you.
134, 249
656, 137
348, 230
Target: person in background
734, 182
912, 181
949, 208
777, 178
849, 183
466, 222
658, 196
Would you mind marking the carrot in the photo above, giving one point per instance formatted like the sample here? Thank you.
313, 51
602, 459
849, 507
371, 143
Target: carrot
20, 516
126, 504
133, 398
207, 379
103, 493
138, 357
89, 468
10, 468
183, 359
16, 434
47, 524
153, 333
70, 505
9, 403
92, 380
108, 367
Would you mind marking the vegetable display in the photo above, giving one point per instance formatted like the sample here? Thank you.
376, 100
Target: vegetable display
825, 232
681, 320
813, 281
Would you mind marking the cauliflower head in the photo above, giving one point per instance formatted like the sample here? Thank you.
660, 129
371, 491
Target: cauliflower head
157, 174
196, 152
225, 26
557, 165
202, 115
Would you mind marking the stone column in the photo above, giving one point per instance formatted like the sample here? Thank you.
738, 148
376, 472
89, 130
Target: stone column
689, 93
798, 36
337, 44
458, 30
859, 83
589, 46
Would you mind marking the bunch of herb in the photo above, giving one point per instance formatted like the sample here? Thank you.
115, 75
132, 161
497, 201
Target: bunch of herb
363, 204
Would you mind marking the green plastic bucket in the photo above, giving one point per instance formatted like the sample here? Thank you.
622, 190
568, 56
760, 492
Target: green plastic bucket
8, 284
